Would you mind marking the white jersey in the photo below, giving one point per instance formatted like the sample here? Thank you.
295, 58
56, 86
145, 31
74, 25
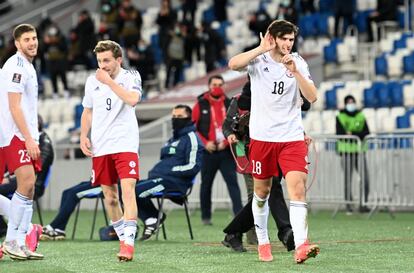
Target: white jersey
19, 76
114, 124
276, 103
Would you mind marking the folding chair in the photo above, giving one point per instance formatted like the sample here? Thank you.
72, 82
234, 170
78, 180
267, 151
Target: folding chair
175, 196
94, 193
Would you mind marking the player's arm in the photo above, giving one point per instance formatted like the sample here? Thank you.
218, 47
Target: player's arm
18, 117
240, 61
307, 88
86, 122
129, 97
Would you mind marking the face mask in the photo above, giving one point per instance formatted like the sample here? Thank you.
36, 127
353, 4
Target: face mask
142, 48
350, 107
217, 92
179, 123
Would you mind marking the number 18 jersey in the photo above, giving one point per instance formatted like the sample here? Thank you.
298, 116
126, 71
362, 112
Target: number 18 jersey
114, 123
276, 103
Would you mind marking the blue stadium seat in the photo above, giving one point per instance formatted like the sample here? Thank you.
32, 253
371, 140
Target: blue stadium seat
361, 20
381, 65
329, 51
370, 100
307, 26
208, 15
403, 122
383, 95
322, 24
326, 6
396, 94
331, 97
408, 64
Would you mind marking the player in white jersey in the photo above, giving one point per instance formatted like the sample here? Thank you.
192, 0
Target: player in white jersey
109, 111
276, 131
21, 153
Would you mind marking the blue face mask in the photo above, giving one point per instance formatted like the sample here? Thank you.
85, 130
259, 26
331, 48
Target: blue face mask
350, 107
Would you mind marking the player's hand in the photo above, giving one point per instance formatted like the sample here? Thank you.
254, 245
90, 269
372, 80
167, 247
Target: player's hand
221, 146
103, 76
85, 145
289, 63
211, 147
308, 140
32, 148
232, 139
267, 42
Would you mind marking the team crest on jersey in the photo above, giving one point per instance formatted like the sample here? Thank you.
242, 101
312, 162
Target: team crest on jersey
289, 74
132, 164
17, 77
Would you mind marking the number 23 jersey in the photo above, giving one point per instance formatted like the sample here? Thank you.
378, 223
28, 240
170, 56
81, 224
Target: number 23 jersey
276, 103
114, 123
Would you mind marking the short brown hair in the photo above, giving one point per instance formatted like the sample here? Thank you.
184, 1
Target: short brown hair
22, 28
108, 45
217, 76
278, 28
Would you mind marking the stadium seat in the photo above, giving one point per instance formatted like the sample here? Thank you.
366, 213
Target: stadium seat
383, 96
403, 122
396, 94
381, 66
94, 193
408, 64
178, 198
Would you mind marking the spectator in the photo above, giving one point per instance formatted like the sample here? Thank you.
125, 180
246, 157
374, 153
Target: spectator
175, 56
307, 6
180, 161
209, 113
129, 23
191, 42
287, 11
344, 10
214, 47
110, 15
189, 8
166, 20
85, 36
352, 122
259, 21
141, 58
55, 52
220, 11
386, 11
106, 33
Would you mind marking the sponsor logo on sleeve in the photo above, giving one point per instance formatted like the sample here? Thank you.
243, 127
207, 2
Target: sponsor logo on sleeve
17, 78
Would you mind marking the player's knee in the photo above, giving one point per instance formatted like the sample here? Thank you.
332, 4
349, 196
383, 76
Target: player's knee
262, 192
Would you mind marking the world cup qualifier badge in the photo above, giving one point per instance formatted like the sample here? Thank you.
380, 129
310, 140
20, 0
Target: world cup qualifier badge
17, 77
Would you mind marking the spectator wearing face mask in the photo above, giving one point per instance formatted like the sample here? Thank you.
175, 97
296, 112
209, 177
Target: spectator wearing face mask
209, 113
351, 121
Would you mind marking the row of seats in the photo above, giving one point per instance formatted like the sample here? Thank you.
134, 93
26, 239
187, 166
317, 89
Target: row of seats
380, 120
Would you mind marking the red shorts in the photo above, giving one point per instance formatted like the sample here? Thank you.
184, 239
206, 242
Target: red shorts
16, 156
266, 156
107, 169
2, 164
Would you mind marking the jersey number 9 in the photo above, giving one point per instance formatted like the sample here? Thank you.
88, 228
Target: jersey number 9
108, 103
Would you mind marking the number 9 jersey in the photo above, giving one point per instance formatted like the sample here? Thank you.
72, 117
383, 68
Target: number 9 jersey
114, 123
276, 103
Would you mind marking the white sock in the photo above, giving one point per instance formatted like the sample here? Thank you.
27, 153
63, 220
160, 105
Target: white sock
119, 228
17, 209
130, 231
25, 224
4, 206
298, 219
260, 209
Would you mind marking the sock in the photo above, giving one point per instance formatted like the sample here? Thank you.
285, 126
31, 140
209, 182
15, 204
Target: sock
4, 206
298, 219
260, 209
130, 231
25, 224
17, 209
119, 228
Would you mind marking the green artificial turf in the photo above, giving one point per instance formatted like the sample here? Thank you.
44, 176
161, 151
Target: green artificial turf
348, 244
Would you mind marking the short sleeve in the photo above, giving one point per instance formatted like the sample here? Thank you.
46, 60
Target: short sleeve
87, 99
134, 82
15, 78
304, 69
251, 67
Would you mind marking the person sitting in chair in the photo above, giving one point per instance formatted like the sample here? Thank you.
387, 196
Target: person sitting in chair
180, 162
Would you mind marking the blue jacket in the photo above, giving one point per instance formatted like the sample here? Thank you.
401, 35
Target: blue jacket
180, 158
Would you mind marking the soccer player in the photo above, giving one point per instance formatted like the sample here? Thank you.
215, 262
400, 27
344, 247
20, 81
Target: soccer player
109, 112
276, 131
20, 137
